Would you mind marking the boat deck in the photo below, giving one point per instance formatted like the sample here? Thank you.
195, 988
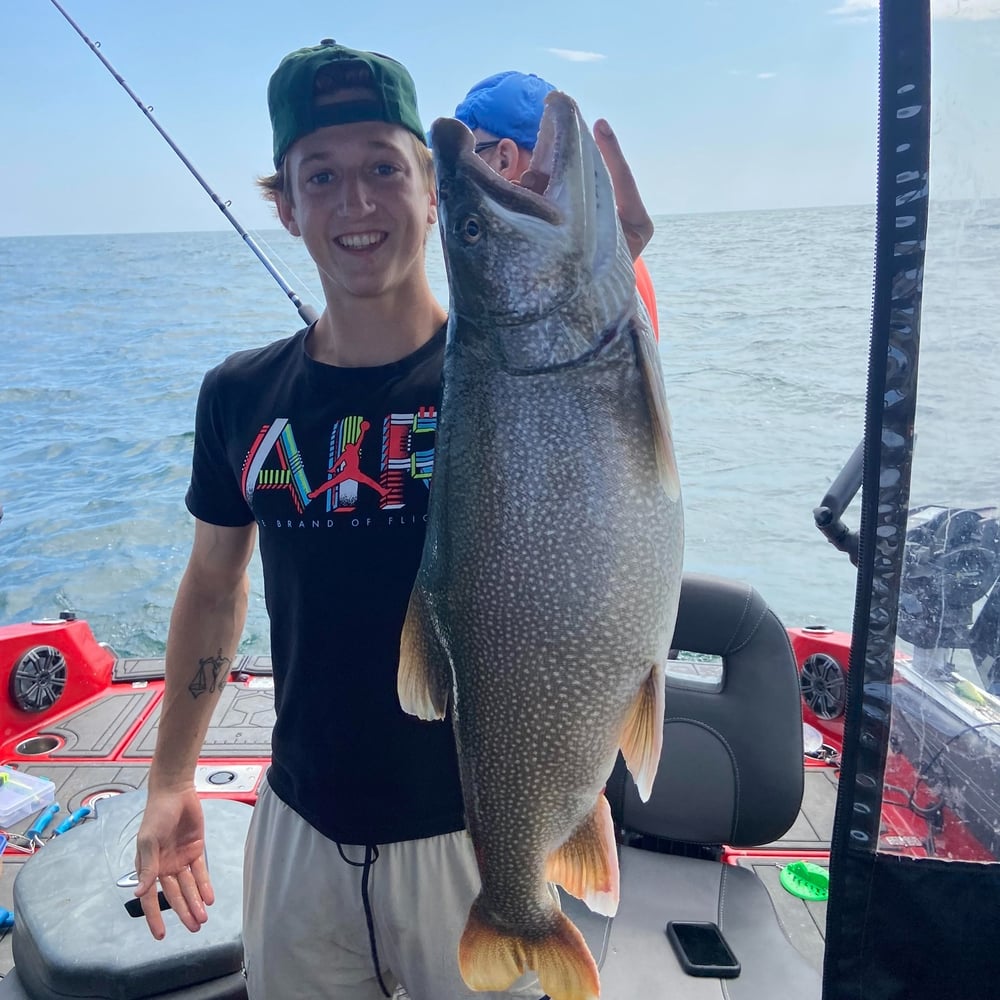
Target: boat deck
813, 827
104, 747
804, 922
102, 744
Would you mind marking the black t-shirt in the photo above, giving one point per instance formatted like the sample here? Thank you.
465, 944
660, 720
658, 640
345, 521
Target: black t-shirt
334, 466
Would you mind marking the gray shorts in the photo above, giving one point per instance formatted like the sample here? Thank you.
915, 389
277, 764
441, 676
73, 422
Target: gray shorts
305, 930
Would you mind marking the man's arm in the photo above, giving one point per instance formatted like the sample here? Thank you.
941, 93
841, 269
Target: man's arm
205, 628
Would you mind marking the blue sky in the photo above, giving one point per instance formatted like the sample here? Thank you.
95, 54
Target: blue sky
720, 104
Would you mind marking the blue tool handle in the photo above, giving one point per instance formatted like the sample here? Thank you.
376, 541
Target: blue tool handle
68, 824
38, 827
6, 919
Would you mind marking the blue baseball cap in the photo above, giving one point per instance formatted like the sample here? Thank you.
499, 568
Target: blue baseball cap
508, 104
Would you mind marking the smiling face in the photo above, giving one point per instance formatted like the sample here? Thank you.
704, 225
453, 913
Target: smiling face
360, 197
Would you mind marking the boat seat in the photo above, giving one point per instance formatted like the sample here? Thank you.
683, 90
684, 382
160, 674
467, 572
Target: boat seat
79, 932
731, 773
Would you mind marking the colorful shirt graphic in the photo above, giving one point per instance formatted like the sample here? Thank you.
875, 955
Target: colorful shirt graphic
274, 462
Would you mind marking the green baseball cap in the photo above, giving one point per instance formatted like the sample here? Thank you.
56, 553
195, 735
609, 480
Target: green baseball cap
295, 112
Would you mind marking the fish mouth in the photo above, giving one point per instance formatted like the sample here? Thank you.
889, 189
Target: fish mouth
537, 193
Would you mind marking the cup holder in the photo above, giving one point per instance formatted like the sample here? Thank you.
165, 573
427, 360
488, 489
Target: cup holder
37, 745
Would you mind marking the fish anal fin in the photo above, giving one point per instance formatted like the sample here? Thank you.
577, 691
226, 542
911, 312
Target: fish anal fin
491, 959
586, 865
642, 734
648, 360
424, 679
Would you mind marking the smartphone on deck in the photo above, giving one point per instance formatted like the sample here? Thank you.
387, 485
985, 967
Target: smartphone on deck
702, 950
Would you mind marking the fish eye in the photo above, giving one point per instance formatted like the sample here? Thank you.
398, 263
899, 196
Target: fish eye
471, 229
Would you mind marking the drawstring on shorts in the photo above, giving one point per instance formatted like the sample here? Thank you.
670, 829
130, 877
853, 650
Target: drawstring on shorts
371, 856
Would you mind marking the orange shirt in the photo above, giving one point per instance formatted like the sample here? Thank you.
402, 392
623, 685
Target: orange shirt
644, 285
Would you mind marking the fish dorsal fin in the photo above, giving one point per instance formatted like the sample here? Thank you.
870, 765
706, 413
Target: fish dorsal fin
648, 360
586, 865
424, 679
642, 734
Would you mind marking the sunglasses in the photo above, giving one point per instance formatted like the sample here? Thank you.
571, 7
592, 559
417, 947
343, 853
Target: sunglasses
481, 147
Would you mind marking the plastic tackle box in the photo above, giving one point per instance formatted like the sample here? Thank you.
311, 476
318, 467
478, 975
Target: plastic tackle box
22, 795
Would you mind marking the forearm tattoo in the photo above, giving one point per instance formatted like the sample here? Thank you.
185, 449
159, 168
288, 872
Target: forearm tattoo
213, 672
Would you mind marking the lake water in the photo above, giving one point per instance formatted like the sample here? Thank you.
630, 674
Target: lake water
764, 320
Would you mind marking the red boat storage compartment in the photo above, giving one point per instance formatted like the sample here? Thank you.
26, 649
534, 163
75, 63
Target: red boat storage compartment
75, 936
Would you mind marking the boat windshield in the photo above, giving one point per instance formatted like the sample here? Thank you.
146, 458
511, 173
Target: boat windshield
941, 795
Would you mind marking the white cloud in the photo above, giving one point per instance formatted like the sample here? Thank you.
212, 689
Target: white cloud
766, 76
965, 10
955, 10
574, 55
852, 8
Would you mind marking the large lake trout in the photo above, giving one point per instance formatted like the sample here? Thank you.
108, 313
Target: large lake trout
545, 603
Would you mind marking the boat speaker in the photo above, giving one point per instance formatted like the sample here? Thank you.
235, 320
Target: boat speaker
38, 679
824, 686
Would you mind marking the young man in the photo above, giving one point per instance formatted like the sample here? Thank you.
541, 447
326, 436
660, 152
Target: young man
359, 874
504, 112
328, 913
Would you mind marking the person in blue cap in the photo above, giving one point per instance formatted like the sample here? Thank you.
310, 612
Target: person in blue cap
504, 112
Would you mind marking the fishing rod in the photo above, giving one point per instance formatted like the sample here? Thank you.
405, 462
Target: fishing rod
307, 312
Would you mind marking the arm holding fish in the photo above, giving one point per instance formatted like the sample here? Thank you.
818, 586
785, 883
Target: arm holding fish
205, 627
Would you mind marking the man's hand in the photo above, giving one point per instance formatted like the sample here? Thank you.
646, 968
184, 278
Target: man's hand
170, 848
635, 220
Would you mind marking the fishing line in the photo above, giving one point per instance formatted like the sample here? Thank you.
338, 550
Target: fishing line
307, 312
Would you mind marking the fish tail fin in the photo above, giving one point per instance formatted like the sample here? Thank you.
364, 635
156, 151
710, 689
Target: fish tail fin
423, 682
586, 865
492, 959
642, 735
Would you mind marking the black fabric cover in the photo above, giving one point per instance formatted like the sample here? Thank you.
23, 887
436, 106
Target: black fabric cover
914, 929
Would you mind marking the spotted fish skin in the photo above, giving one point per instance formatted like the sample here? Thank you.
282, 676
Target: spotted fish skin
547, 594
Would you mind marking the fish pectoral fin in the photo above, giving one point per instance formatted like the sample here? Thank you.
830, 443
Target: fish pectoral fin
648, 359
491, 959
642, 734
424, 679
586, 865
